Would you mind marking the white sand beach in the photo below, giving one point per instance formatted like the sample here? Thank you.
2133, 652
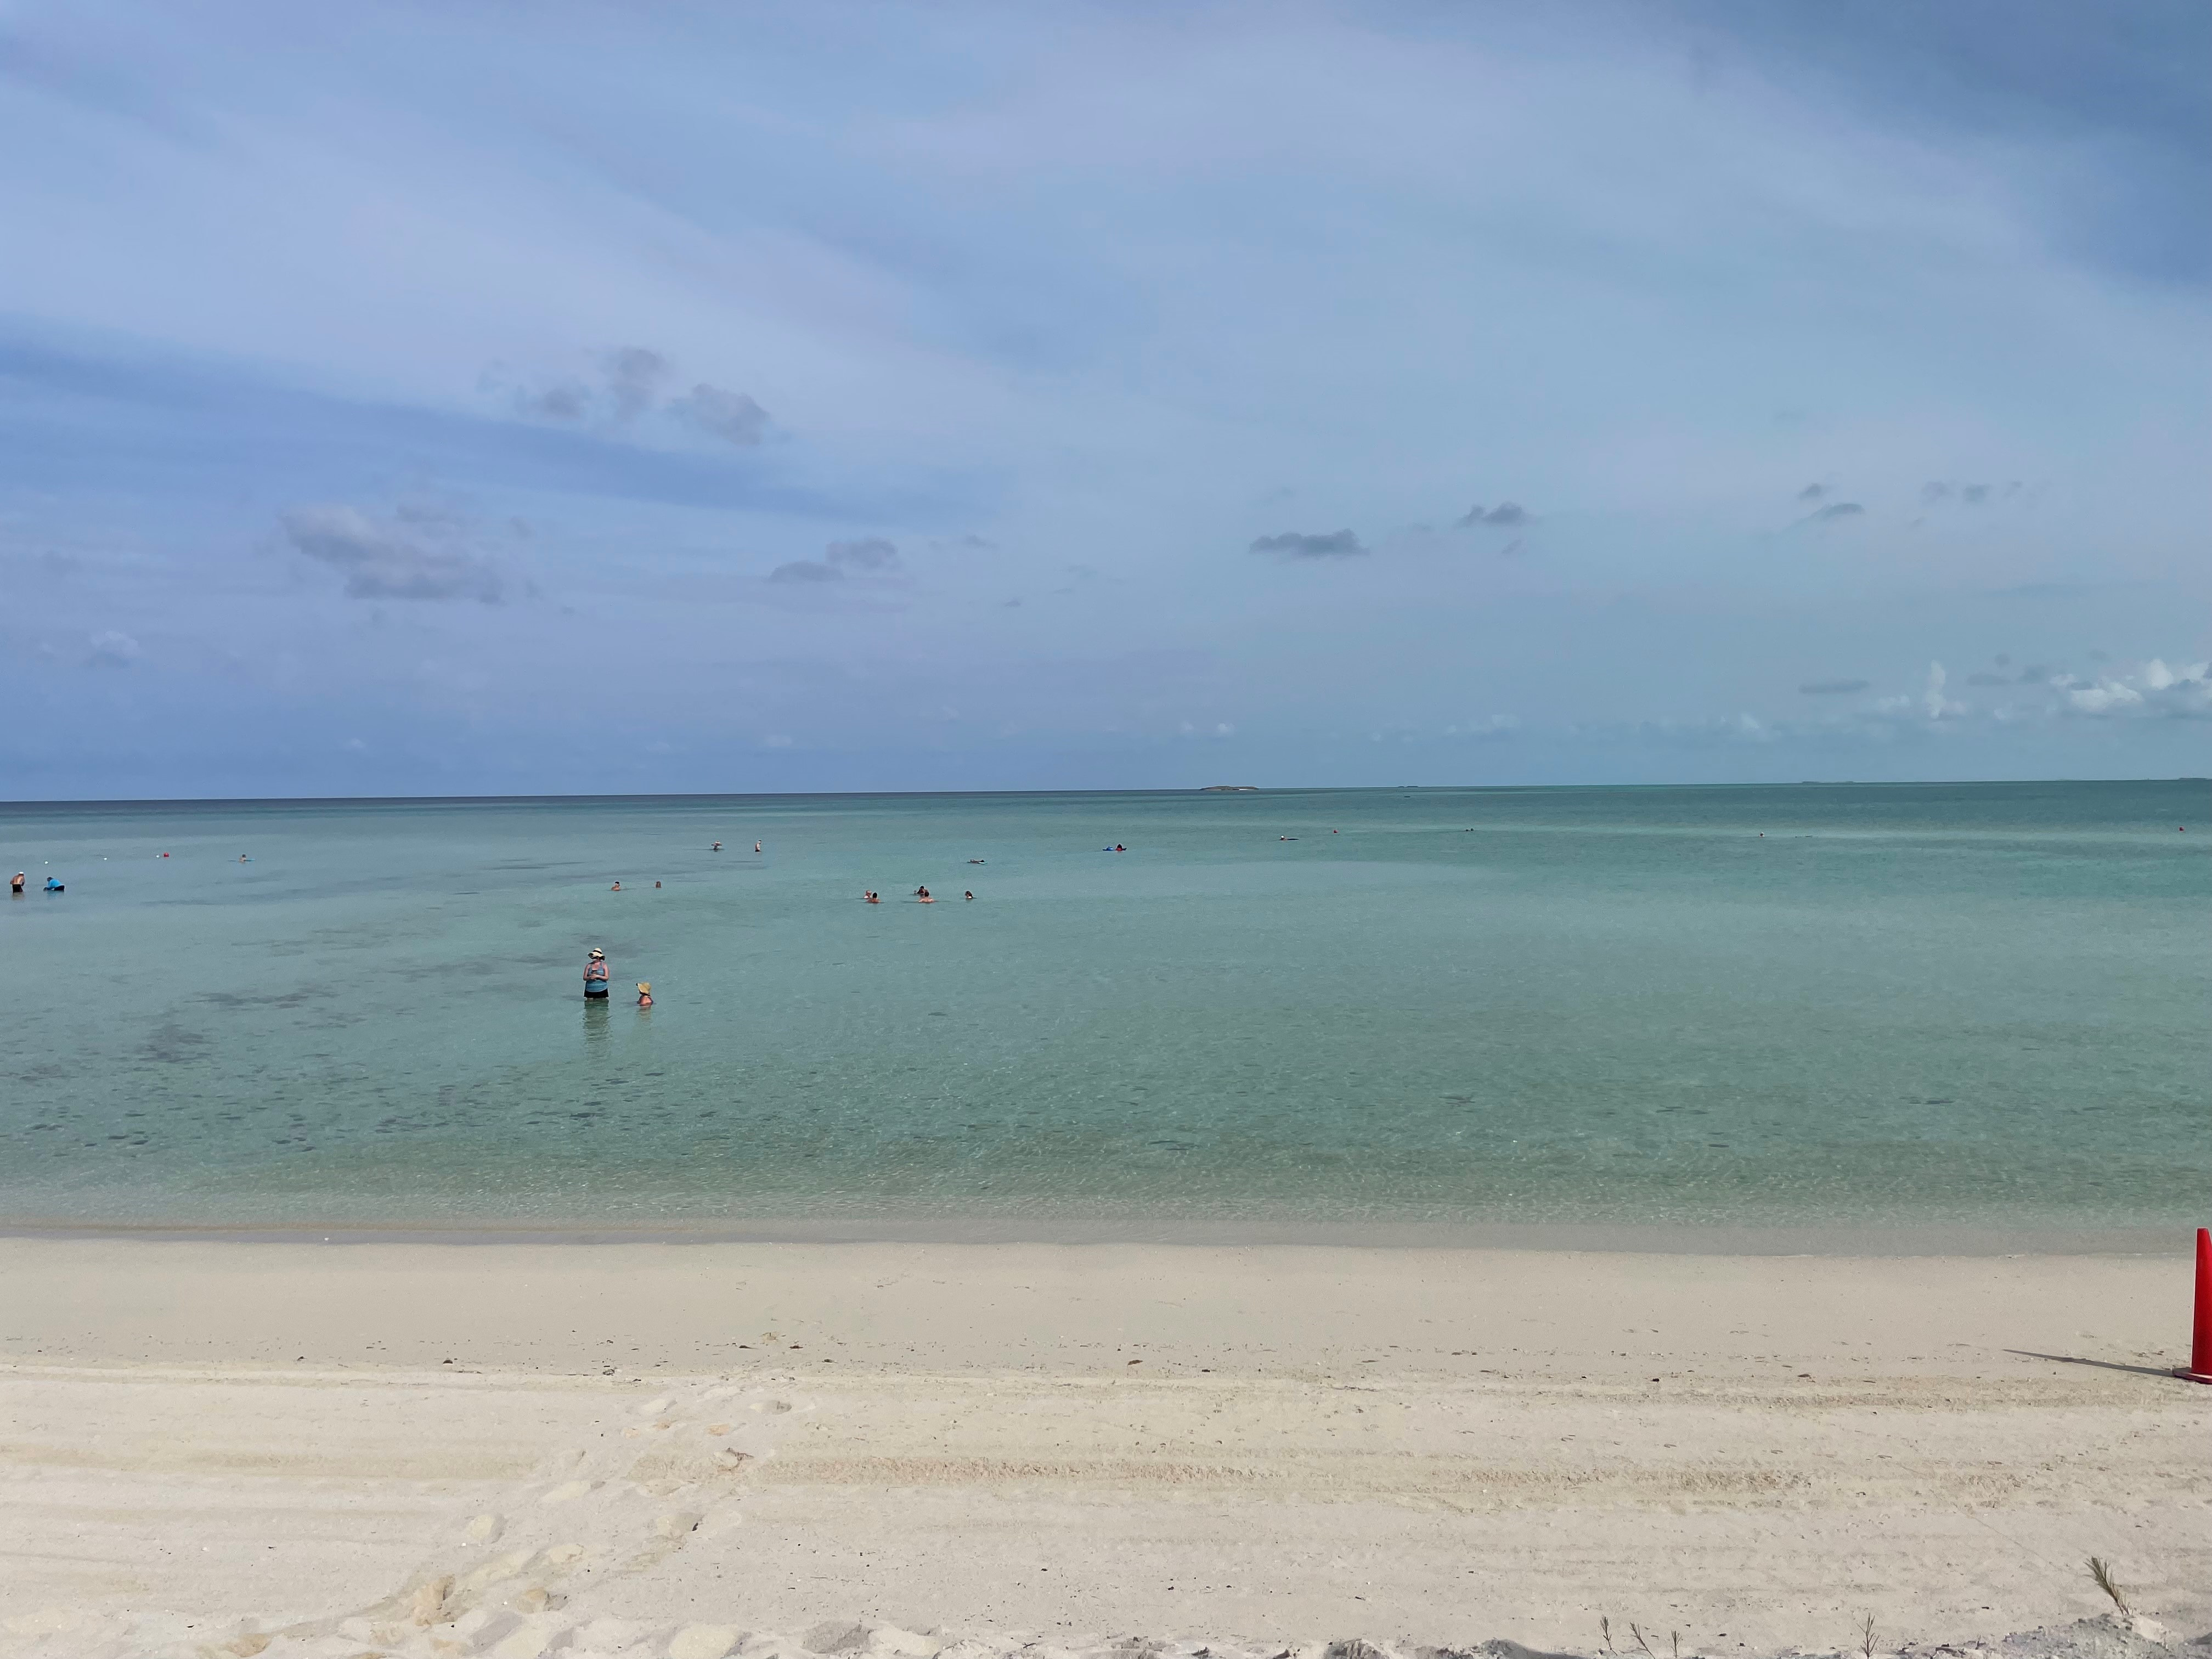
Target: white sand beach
666, 1450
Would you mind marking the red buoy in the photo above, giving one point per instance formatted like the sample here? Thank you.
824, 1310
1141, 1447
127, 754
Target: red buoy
2200, 1346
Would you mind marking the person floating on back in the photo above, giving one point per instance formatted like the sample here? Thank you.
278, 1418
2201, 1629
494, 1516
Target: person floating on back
595, 977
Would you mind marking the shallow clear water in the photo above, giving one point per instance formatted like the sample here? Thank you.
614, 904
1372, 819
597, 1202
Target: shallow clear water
1973, 1003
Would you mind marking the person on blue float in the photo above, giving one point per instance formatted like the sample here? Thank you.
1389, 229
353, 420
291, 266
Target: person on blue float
595, 976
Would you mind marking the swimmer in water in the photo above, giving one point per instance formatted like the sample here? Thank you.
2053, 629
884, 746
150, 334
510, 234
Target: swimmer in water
616, 888
870, 898
595, 976
716, 847
644, 994
755, 847
970, 897
15, 884
922, 894
656, 884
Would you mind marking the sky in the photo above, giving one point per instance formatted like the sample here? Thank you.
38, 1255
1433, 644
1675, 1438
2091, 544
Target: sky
503, 399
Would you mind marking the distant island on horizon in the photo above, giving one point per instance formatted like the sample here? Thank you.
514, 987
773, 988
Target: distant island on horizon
1230, 789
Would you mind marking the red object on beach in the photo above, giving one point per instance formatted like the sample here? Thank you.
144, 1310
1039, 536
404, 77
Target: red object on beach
2200, 1346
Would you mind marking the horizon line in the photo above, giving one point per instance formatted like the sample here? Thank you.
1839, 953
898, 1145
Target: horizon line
991, 794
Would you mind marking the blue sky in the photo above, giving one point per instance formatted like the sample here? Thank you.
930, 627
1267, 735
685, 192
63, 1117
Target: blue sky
492, 400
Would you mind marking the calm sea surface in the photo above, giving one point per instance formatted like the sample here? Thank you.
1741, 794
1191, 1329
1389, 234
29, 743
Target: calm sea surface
1974, 1005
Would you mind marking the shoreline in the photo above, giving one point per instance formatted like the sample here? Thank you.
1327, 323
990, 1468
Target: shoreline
1870, 1239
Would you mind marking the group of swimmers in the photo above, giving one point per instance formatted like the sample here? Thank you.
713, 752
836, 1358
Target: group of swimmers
921, 895
598, 985
16, 885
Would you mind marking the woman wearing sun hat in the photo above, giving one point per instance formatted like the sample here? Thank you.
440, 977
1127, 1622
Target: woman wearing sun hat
595, 976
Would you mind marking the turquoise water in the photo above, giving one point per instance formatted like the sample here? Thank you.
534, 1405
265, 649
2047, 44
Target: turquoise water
1983, 1005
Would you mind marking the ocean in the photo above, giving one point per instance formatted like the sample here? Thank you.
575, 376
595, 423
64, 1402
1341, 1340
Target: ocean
1413, 1013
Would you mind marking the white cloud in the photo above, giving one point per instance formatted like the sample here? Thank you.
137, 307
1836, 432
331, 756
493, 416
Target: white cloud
2155, 689
1933, 702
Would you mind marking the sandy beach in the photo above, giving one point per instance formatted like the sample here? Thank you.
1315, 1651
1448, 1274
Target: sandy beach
445, 1448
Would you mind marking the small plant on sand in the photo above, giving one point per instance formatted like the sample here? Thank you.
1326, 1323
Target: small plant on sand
1605, 1629
1866, 1637
1675, 1642
1641, 1643
2101, 1570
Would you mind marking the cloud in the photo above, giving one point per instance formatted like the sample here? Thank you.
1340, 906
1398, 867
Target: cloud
731, 416
1832, 687
113, 649
421, 554
1973, 495
565, 400
1296, 544
870, 553
1933, 702
626, 384
633, 376
1835, 510
1812, 492
2154, 690
1506, 515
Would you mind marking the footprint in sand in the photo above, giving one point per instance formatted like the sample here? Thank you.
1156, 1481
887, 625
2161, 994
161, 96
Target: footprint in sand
521, 1581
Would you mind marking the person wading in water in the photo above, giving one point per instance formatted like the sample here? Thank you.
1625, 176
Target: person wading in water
595, 977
